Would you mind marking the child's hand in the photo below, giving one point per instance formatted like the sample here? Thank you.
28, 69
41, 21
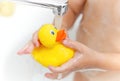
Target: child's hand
27, 49
84, 58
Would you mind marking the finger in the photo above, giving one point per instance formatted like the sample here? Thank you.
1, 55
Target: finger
51, 75
57, 75
74, 45
35, 39
27, 49
68, 66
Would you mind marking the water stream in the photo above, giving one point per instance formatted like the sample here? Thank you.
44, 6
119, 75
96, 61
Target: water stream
58, 21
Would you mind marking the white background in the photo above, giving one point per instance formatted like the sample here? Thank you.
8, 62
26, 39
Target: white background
15, 31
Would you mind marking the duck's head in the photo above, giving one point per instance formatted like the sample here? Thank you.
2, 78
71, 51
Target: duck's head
49, 35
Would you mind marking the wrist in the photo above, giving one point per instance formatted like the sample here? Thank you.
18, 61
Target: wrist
91, 59
97, 59
109, 61
100, 60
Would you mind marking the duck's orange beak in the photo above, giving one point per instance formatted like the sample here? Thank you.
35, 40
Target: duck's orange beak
61, 35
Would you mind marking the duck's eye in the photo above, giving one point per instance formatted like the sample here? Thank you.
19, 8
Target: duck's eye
52, 32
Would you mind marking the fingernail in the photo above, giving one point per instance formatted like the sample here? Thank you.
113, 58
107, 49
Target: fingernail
51, 67
48, 75
19, 52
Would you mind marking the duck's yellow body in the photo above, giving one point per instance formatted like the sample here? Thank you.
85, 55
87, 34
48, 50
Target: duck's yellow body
55, 56
51, 56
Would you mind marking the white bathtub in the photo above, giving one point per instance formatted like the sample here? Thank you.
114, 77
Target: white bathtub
15, 31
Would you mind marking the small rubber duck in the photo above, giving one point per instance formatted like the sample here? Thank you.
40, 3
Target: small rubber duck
52, 52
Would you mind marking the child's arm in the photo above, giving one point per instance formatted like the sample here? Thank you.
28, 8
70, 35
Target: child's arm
110, 61
85, 58
74, 9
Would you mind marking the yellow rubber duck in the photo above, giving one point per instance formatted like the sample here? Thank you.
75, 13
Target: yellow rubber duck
51, 52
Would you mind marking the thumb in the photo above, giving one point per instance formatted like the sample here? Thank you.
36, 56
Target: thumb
72, 44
